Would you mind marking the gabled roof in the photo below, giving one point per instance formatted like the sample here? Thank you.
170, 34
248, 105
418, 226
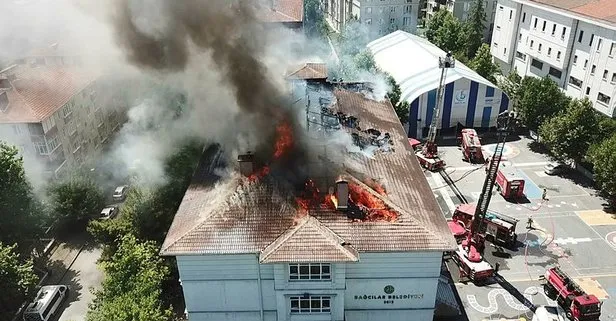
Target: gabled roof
325, 245
413, 62
38, 92
282, 11
309, 71
233, 216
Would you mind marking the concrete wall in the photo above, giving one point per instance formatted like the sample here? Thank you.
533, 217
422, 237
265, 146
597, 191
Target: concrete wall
236, 287
465, 102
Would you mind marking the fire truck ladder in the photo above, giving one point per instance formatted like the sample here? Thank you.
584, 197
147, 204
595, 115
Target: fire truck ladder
567, 281
503, 123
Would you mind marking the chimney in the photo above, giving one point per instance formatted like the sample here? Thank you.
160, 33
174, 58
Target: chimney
246, 162
342, 195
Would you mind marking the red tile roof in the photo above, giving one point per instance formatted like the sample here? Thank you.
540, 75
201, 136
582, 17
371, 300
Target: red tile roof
309, 71
597, 9
283, 11
38, 92
232, 216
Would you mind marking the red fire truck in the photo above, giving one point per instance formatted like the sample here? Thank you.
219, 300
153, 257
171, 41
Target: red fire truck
471, 146
578, 305
497, 228
509, 182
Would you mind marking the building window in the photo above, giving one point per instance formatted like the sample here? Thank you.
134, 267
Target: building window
53, 143
605, 72
558, 55
407, 9
489, 91
612, 49
310, 304
369, 10
585, 63
535, 24
510, 14
575, 82
539, 49
523, 17
555, 72
381, 21
599, 43
614, 77
603, 98
368, 21
531, 44
575, 59
500, 7
504, 51
495, 45
592, 70
537, 64
392, 21
70, 128
67, 109
543, 28
562, 36
392, 9
406, 21
409, 1
310, 271
497, 27
581, 36
592, 37
553, 30
41, 148
48, 124
520, 37
549, 51
520, 56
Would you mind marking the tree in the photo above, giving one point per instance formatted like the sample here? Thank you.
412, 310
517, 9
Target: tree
569, 134
132, 288
313, 18
603, 158
539, 99
365, 61
434, 24
483, 65
17, 278
76, 201
511, 85
21, 215
474, 28
401, 107
450, 35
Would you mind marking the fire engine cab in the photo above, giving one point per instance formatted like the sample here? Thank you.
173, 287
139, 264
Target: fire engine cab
497, 228
509, 182
471, 146
578, 305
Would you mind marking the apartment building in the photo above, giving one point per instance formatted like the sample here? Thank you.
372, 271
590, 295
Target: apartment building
51, 109
380, 17
461, 9
572, 42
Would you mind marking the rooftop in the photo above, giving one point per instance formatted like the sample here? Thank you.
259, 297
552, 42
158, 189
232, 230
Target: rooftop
36, 92
309, 71
283, 11
413, 62
604, 10
232, 216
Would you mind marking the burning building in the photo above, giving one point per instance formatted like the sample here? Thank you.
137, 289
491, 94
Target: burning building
362, 240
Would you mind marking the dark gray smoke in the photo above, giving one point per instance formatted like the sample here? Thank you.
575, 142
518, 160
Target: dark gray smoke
165, 35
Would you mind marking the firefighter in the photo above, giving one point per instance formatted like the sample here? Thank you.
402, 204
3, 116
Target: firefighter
529, 223
544, 196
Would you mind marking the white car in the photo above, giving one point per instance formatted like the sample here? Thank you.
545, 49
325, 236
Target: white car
549, 313
46, 304
555, 168
119, 194
109, 212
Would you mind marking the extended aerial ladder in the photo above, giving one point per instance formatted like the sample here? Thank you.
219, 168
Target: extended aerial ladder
469, 256
428, 155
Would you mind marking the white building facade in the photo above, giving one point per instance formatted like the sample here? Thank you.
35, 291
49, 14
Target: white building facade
379, 287
379, 17
469, 99
570, 46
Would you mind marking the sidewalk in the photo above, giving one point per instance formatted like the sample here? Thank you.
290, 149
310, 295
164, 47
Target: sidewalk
61, 260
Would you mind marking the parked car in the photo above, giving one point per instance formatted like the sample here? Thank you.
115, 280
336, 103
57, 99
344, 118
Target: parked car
47, 303
555, 168
549, 313
120, 193
109, 212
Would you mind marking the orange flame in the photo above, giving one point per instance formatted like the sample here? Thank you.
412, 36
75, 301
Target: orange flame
259, 174
284, 139
376, 209
376, 186
334, 200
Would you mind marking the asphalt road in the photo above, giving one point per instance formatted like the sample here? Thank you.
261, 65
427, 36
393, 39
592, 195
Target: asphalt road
570, 230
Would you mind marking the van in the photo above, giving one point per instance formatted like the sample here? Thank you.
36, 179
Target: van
47, 302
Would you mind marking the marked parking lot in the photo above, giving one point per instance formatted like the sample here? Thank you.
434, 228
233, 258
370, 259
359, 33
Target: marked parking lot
591, 286
531, 189
597, 217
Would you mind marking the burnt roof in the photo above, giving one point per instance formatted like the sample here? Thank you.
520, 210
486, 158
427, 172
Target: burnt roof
229, 216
